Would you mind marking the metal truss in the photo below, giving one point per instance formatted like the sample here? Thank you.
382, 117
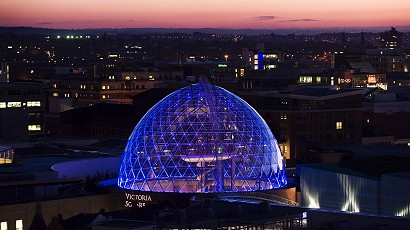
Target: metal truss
202, 138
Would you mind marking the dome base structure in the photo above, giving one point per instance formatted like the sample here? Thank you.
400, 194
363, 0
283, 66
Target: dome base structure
201, 139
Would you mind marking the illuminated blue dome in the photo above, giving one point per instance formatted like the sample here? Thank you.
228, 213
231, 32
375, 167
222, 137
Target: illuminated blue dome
201, 138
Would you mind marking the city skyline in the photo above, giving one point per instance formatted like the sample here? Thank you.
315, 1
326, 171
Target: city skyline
259, 14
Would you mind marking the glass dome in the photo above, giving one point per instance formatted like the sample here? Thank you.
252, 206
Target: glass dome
199, 139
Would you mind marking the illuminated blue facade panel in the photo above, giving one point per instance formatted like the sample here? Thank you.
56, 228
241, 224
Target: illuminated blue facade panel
261, 61
202, 138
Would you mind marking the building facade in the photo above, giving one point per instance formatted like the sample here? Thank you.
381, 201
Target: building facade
22, 107
310, 116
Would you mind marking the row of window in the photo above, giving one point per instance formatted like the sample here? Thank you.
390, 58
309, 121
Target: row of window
34, 127
18, 104
15, 92
323, 137
107, 87
117, 96
305, 127
4, 226
103, 87
303, 116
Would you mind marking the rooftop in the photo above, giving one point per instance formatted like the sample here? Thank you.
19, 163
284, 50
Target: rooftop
370, 167
323, 91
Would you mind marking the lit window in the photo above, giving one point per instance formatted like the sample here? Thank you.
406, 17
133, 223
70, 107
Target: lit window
108, 87
103, 87
127, 78
103, 96
19, 224
33, 104
55, 94
54, 86
34, 127
339, 125
14, 104
67, 95
2, 105
3, 225
283, 116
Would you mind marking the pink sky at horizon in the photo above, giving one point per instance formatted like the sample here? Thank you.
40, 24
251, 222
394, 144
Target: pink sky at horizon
257, 14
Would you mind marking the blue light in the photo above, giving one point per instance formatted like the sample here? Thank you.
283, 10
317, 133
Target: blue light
261, 60
202, 138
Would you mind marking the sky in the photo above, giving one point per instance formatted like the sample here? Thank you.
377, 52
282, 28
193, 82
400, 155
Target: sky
233, 14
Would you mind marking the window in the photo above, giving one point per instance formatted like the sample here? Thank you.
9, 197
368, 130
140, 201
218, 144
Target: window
34, 127
55, 94
19, 224
283, 116
103, 87
12, 104
2, 105
33, 103
3, 225
339, 125
34, 115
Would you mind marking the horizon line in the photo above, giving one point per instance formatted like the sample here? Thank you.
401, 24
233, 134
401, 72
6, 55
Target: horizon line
314, 30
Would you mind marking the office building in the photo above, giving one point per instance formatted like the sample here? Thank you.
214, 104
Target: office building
22, 107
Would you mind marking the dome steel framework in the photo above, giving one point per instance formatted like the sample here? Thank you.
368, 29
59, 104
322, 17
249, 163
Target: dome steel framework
201, 138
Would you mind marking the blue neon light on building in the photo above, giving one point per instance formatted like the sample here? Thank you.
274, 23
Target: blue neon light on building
202, 138
261, 61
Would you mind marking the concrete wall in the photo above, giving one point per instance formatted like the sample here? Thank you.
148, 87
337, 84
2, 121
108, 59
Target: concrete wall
331, 190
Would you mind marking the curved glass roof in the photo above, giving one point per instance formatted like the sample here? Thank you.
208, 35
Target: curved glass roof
201, 138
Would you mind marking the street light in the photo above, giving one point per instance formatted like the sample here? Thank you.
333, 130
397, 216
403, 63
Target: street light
226, 57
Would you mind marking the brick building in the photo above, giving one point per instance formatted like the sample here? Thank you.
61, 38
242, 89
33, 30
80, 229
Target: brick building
307, 118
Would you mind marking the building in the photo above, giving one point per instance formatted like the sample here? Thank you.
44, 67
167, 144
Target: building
386, 60
273, 79
260, 58
14, 71
22, 107
6, 155
310, 116
80, 91
201, 139
386, 113
105, 120
398, 78
373, 185
391, 39
363, 74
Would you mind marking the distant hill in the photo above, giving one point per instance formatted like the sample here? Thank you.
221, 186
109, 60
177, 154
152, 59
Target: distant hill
309, 31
